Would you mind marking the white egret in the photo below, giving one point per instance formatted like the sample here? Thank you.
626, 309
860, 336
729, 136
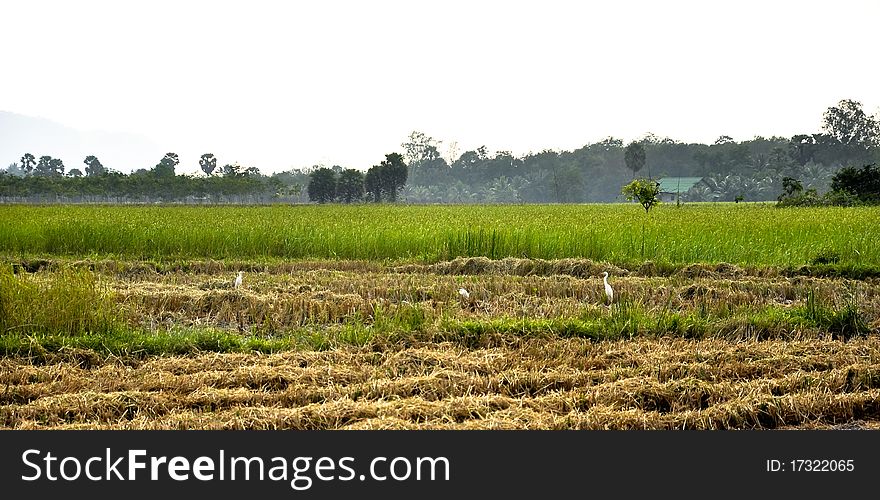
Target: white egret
238, 279
464, 294
609, 292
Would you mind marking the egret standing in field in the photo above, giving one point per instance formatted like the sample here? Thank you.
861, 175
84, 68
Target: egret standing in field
466, 299
238, 279
609, 292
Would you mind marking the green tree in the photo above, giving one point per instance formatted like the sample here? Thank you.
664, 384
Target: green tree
231, 170
322, 185
350, 187
14, 170
790, 187
165, 167
75, 172
634, 157
420, 147
863, 183
855, 132
27, 163
393, 174
850, 125
780, 160
426, 164
373, 183
41, 169
56, 167
645, 191
49, 167
208, 163
94, 166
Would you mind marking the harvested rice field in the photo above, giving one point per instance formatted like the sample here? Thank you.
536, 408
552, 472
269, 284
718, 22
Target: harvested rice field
532, 384
106, 344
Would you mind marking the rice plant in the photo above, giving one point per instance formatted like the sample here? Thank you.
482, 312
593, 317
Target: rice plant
752, 235
66, 302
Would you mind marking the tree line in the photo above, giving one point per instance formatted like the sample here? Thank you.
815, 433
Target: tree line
849, 186
426, 172
382, 182
750, 170
45, 179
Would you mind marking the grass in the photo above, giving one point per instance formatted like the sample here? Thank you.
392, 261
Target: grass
68, 302
742, 234
844, 322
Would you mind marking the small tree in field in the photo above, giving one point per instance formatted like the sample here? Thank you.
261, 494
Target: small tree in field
645, 191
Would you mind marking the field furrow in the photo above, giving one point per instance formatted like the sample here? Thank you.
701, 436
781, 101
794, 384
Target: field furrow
566, 383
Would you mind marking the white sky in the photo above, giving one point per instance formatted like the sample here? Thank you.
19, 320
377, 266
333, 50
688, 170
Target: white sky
293, 83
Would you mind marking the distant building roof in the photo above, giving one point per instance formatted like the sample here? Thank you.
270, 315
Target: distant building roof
678, 184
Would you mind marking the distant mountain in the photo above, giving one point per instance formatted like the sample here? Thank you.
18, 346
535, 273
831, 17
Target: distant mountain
20, 134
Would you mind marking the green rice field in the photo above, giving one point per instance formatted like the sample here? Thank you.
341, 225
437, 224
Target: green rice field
742, 234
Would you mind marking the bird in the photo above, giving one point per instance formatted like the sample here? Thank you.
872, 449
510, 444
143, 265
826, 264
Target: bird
238, 279
609, 292
466, 301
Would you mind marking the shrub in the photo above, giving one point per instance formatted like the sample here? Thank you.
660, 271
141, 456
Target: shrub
645, 191
863, 183
808, 198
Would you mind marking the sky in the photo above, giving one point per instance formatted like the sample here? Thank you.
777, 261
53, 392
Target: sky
291, 84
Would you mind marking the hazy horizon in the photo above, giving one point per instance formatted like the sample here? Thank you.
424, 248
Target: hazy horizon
280, 86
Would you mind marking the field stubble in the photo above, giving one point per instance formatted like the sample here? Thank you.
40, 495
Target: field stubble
532, 384
396, 348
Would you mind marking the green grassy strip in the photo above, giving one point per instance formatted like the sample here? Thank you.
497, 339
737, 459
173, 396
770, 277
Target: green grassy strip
621, 323
742, 234
140, 344
31, 264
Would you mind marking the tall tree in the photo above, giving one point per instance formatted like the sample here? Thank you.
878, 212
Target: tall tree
373, 183
165, 167
44, 166
208, 163
14, 170
850, 125
393, 174
426, 164
634, 157
27, 163
56, 166
350, 187
231, 170
322, 185
855, 131
94, 166
864, 182
420, 147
